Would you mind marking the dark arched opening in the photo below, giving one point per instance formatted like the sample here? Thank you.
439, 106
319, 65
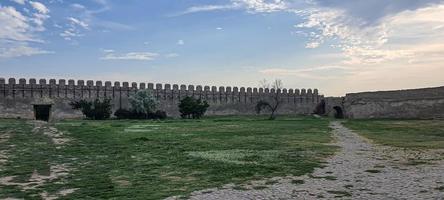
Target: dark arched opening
42, 112
339, 114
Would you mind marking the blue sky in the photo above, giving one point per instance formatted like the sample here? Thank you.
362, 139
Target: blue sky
336, 46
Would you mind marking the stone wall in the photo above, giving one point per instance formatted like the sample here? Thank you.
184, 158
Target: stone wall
333, 105
18, 97
427, 103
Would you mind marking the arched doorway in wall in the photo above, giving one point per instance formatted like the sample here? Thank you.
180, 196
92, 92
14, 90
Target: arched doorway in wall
339, 114
42, 112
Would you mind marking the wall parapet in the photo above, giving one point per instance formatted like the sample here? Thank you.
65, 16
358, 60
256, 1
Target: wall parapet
82, 89
397, 95
423, 103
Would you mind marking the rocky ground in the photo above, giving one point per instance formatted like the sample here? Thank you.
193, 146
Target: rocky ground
361, 170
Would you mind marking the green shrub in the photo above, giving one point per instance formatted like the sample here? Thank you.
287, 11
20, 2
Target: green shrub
143, 102
159, 115
123, 114
192, 108
95, 110
132, 114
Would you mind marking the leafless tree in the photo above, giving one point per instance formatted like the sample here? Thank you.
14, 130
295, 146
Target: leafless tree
264, 84
273, 101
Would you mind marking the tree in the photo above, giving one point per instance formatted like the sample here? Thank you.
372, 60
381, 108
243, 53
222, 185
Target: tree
96, 110
143, 106
143, 102
273, 102
192, 108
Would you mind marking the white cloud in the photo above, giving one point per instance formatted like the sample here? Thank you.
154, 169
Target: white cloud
141, 56
70, 34
18, 32
402, 50
405, 35
15, 25
39, 7
219, 28
78, 6
78, 22
180, 42
206, 8
74, 29
171, 55
252, 6
108, 51
12, 50
19, 1
110, 24
261, 6
88, 17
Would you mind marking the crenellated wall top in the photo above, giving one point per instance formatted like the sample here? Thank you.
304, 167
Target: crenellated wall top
154, 86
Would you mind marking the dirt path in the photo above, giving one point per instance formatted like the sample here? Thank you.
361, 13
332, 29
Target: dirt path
361, 170
37, 180
4, 137
57, 137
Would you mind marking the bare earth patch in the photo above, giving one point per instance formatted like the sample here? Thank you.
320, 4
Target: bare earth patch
59, 194
232, 156
361, 170
4, 137
37, 180
57, 137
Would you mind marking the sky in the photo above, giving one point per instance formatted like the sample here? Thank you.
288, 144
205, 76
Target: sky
336, 46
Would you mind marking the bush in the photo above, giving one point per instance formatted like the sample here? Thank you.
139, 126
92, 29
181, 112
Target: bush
123, 114
159, 115
132, 114
192, 108
95, 110
261, 105
143, 102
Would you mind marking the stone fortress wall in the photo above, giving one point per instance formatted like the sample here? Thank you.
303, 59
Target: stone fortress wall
17, 98
425, 103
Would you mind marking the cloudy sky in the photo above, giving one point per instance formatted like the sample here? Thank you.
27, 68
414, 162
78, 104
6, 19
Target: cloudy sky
337, 46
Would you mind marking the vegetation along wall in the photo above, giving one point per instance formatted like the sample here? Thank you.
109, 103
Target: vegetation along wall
20, 99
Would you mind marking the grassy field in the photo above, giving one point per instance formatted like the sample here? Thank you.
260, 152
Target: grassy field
419, 134
157, 159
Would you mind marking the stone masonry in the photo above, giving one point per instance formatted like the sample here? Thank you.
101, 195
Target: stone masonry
17, 99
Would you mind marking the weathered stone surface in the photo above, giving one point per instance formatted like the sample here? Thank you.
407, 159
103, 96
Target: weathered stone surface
427, 103
18, 101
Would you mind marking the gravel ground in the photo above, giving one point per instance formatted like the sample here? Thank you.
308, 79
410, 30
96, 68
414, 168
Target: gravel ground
361, 170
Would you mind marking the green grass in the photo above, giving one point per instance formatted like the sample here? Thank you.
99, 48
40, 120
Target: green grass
419, 134
156, 159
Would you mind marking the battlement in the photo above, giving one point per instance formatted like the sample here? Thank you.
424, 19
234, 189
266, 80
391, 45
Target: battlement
97, 89
157, 86
18, 98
